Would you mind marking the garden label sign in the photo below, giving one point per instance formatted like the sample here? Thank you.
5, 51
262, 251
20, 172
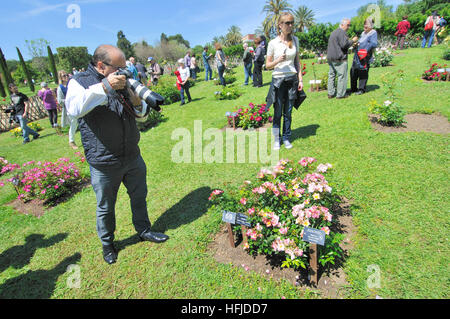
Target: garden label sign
315, 237
235, 218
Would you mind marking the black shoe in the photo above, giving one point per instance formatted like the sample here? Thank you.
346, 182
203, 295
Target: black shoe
25, 141
182, 103
153, 236
331, 96
36, 137
342, 97
360, 92
109, 254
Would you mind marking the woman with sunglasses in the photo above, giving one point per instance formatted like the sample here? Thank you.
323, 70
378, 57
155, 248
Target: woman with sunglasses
65, 119
287, 80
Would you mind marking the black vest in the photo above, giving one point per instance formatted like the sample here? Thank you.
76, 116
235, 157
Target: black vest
109, 135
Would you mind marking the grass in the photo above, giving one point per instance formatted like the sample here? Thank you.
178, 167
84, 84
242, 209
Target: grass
398, 183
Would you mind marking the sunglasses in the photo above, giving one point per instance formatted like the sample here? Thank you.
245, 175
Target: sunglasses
289, 22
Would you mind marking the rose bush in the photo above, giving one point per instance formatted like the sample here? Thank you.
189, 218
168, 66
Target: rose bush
382, 57
253, 116
280, 203
432, 73
44, 180
228, 93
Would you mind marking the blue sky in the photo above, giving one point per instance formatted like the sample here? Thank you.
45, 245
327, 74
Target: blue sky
100, 20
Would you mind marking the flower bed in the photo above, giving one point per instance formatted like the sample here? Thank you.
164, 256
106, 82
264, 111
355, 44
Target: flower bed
17, 132
436, 72
47, 181
253, 116
228, 93
280, 203
3, 163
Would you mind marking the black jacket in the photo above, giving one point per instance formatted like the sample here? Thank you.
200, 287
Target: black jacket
294, 94
108, 133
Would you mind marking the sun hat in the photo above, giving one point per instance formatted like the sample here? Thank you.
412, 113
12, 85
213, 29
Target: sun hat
150, 59
181, 61
43, 85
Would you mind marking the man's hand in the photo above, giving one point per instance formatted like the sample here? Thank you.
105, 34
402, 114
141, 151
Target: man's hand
355, 39
117, 82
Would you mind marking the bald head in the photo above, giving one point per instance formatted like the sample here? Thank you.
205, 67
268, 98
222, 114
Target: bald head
108, 58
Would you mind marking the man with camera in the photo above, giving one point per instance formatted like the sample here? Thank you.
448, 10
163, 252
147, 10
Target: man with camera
19, 111
106, 112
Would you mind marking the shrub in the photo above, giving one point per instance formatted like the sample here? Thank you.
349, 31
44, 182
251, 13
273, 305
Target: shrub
382, 57
391, 113
228, 93
253, 116
446, 55
279, 204
433, 73
18, 130
153, 119
44, 180
168, 89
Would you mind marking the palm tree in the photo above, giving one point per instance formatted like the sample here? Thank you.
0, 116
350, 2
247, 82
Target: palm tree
304, 18
273, 10
233, 36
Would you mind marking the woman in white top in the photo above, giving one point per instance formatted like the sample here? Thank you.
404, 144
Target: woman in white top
193, 69
282, 57
65, 118
184, 75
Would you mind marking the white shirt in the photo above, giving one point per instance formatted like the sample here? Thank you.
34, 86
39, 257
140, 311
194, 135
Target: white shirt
184, 73
276, 49
81, 101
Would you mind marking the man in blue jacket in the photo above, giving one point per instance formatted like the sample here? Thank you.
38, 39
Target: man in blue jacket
110, 139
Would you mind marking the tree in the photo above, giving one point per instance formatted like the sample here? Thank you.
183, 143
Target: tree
2, 89
304, 18
25, 69
7, 75
73, 57
51, 60
38, 49
179, 38
124, 45
273, 10
234, 36
142, 51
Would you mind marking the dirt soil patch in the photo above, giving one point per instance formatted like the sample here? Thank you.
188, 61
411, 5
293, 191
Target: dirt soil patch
239, 129
332, 282
415, 122
38, 207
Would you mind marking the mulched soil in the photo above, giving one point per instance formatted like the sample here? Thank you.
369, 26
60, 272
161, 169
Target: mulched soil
331, 282
416, 122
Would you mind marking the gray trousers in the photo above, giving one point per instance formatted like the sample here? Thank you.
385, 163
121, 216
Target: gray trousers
106, 182
339, 70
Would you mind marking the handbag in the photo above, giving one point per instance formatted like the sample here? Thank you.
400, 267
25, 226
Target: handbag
301, 97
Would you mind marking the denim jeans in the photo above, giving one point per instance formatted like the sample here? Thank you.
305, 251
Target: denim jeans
221, 70
185, 88
106, 182
248, 72
430, 34
282, 108
208, 70
26, 131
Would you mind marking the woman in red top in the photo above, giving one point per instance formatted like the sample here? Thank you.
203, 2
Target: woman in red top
402, 30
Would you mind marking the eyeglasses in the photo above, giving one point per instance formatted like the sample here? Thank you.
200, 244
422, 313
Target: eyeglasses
289, 22
113, 66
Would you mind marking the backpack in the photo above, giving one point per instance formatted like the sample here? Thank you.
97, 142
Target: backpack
429, 25
442, 22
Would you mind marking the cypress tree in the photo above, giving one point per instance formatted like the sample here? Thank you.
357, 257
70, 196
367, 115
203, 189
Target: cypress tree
8, 78
4, 72
25, 69
51, 59
2, 89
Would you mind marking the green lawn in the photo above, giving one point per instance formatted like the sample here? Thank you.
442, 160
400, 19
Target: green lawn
398, 183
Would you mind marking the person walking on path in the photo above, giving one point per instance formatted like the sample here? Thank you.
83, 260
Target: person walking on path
402, 29
65, 118
337, 55
206, 59
48, 98
248, 63
22, 109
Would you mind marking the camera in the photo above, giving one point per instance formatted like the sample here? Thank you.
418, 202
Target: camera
12, 114
154, 100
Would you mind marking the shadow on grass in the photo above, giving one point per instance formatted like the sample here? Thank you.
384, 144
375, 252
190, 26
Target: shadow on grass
20, 256
191, 207
38, 284
304, 131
